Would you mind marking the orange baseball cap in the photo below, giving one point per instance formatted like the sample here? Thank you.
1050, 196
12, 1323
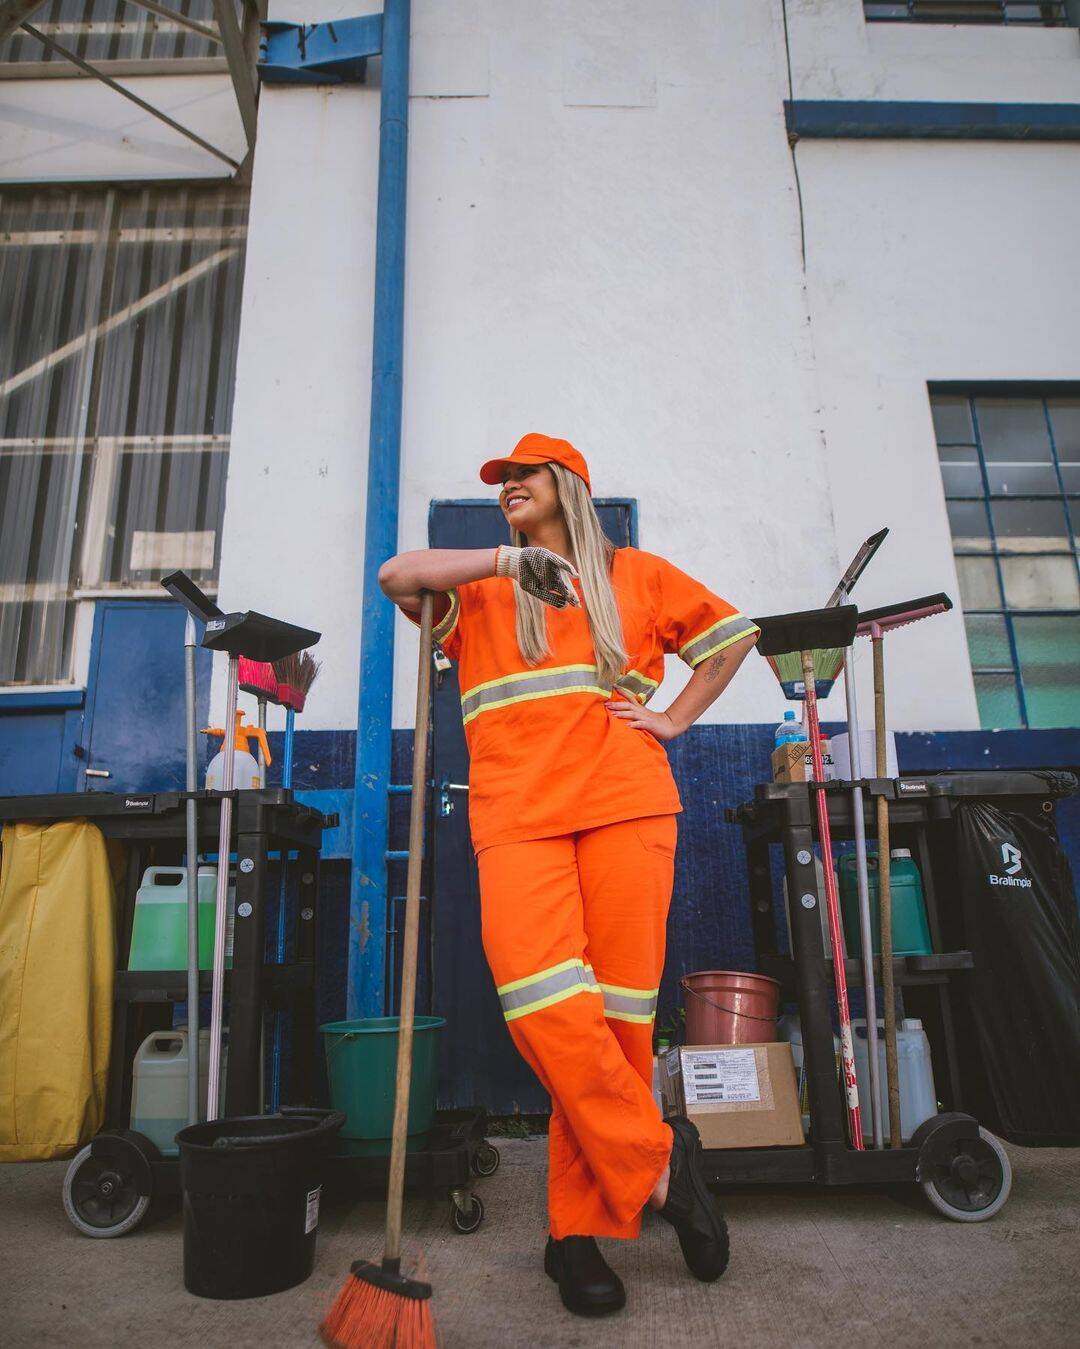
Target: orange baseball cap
537, 449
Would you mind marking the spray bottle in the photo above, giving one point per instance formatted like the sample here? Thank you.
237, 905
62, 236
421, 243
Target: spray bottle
246, 771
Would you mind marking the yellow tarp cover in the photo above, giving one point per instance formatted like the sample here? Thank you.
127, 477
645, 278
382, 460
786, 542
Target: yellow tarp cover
57, 958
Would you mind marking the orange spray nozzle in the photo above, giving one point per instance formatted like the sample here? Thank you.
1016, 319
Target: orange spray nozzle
241, 735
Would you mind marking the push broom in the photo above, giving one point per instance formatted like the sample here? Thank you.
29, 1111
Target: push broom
379, 1307
875, 623
790, 643
841, 595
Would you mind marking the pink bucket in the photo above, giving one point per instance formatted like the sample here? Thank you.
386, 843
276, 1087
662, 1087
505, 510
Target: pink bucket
726, 1007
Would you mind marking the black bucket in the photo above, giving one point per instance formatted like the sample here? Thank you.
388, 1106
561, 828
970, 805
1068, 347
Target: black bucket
251, 1200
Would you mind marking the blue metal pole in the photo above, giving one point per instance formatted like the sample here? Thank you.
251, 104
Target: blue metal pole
368, 895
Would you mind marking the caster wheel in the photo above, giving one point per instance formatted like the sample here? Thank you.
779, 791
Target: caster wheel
970, 1181
486, 1160
466, 1220
101, 1196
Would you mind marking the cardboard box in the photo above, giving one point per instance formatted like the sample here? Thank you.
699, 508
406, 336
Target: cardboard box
738, 1096
791, 761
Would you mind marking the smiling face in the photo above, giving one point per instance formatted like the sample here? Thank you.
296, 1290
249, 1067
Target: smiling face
529, 498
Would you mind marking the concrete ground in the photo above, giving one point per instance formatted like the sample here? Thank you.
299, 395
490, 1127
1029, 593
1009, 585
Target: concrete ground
807, 1269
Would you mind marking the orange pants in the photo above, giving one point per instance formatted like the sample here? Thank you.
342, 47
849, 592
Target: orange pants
574, 930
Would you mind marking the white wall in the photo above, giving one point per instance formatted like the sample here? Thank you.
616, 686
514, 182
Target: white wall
929, 261
602, 244
836, 54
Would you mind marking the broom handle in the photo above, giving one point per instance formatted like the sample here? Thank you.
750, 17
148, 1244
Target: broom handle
885, 896
396, 1188
832, 908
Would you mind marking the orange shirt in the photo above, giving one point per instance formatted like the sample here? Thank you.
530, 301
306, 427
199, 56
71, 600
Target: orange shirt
546, 756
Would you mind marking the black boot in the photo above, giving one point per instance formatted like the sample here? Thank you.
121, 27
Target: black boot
587, 1283
691, 1209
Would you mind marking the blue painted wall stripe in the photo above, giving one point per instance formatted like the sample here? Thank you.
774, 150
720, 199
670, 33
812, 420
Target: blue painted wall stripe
839, 119
16, 700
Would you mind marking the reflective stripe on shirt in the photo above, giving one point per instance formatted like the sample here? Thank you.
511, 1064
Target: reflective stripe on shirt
520, 688
714, 639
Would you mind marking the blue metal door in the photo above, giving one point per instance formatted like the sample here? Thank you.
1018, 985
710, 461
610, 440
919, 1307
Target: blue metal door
133, 728
479, 1064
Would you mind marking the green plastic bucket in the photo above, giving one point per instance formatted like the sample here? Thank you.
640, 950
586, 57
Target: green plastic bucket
361, 1063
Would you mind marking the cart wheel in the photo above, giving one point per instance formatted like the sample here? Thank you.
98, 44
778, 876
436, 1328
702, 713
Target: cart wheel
486, 1159
466, 1220
101, 1196
970, 1180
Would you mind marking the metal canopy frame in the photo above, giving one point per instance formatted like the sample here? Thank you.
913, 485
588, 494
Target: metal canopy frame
240, 43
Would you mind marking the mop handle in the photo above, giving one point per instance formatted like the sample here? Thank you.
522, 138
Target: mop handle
395, 1189
858, 820
832, 906
888, 991
221, 905
191, 746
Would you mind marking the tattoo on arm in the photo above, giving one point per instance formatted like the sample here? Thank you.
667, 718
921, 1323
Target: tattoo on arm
712, 670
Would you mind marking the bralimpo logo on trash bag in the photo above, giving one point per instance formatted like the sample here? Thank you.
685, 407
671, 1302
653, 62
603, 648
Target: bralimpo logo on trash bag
1012, 860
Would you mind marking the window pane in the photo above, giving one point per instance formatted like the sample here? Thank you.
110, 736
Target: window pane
952, 420
960, 470
988, 642
1040, 582
120, 487
999, 705
978, 583
1049, 651
1065, 419
1030, 526
968, 522
1016, 445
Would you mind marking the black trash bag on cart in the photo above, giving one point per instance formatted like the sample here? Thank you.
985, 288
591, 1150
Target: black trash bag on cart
1023, 928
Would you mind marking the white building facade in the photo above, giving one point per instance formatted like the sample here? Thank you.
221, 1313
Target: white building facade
786, 273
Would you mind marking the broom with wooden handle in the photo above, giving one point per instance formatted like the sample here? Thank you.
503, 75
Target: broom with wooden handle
379, 1307
874, 624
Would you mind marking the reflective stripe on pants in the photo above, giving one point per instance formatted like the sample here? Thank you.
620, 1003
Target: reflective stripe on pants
574, 931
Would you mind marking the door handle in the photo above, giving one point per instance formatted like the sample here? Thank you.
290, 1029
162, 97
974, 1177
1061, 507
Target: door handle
98, 773
446, 805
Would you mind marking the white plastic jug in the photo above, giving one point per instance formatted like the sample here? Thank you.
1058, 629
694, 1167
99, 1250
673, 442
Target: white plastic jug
918, 1099
159, 1085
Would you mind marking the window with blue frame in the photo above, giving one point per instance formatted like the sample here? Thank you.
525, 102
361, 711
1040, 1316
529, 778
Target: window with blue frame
1011, 470
1032, 13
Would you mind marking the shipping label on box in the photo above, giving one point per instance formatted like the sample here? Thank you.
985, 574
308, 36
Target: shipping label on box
736, 1095
713, 1076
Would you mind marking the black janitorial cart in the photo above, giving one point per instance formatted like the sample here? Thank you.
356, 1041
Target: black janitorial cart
962, 1168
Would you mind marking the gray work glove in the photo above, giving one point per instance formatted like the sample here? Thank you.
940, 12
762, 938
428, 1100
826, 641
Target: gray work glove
539, 572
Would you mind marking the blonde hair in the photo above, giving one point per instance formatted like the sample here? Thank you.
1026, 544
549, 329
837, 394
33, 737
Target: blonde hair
592, 556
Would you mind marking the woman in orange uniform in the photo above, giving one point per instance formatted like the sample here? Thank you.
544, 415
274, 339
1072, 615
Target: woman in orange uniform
560, 640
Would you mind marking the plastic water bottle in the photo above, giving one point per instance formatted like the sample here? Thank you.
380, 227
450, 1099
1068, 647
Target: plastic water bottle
789, 730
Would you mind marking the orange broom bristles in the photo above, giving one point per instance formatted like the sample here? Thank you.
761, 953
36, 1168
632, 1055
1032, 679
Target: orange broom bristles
367, 1317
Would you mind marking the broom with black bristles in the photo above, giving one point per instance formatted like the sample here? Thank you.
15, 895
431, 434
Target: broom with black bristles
379, 1307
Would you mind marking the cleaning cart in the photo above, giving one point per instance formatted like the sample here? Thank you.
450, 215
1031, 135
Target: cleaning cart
962, 1169
110, 1184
